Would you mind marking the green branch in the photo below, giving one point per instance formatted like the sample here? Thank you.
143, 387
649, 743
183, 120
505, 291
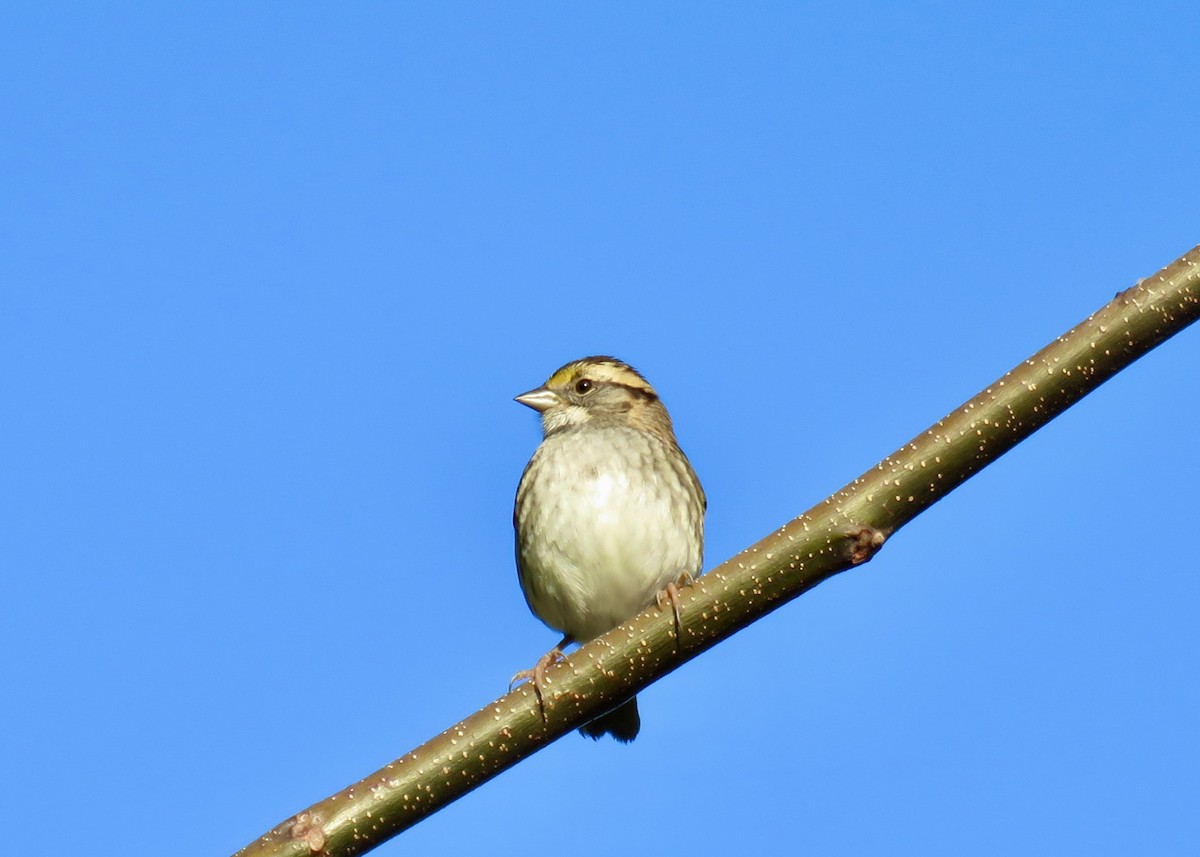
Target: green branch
843, 531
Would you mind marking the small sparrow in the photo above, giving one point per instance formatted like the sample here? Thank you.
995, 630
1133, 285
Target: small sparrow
609, 514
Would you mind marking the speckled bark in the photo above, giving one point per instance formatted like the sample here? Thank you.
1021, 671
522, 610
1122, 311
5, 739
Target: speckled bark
843, 531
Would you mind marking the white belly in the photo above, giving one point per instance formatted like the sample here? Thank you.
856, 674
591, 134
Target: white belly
616, 537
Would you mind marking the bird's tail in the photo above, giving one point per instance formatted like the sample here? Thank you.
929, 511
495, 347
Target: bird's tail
623, 723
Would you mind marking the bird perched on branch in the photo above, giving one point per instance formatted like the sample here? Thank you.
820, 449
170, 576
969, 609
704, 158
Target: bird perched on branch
609, 514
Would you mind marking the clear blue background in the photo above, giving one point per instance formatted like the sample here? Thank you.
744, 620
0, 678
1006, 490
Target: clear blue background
270, 275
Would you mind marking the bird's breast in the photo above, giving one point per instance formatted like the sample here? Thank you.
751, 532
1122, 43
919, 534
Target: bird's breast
602, 527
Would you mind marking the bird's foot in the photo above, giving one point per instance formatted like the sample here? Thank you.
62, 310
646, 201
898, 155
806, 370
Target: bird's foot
537, 675
670, 595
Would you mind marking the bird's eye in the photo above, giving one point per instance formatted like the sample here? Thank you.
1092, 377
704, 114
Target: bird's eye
583, 385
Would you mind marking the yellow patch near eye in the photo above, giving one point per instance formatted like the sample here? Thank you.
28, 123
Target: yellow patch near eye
601, 370
563, 376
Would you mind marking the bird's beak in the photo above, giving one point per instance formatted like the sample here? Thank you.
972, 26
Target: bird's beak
541, 399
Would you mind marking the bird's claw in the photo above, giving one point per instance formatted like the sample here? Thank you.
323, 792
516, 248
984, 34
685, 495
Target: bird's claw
670, 595
537, 675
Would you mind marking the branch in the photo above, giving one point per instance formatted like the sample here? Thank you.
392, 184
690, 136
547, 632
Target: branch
844, 530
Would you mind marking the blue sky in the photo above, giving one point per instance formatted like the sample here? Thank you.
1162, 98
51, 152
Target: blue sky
270, 275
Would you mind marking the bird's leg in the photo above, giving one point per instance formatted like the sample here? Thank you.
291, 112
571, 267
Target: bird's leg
670, 593
538, 674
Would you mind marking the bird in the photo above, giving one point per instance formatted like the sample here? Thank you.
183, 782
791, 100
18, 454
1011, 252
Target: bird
609, 514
